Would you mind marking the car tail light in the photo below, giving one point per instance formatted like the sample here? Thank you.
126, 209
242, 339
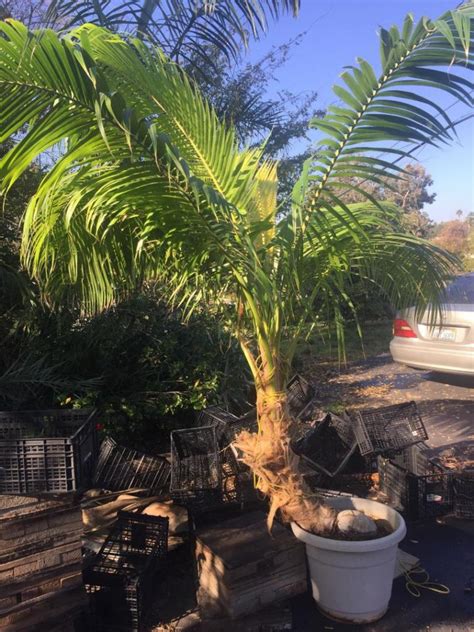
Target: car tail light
402, 329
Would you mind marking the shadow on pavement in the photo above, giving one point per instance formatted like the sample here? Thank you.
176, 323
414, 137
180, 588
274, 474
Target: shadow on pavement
448, 421
450, 379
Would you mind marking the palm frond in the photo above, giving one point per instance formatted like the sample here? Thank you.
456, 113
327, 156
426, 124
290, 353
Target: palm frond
399, 106
182, 28
157, 87
26, 376
123, 110
361, 142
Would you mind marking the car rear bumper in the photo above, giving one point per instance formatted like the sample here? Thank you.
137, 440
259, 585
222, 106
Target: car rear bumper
423, 355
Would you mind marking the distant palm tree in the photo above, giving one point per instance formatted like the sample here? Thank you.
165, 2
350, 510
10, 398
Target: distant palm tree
150, 185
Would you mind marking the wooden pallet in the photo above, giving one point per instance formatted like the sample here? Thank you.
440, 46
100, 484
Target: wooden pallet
40, 563
46, 612
242, 568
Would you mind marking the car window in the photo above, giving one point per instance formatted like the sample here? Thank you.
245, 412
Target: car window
461, 291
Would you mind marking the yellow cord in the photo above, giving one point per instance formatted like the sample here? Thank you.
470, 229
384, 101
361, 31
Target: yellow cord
418, 578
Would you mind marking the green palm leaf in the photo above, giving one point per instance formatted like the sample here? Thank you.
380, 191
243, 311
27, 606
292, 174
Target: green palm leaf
184, 29
379, 112
149, 183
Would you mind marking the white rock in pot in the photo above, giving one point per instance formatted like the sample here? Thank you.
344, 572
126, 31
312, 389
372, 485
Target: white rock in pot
353, 521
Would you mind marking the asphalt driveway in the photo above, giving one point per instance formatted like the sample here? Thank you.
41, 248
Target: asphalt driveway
446, 402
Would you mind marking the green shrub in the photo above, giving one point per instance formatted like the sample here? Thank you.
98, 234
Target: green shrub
154, 370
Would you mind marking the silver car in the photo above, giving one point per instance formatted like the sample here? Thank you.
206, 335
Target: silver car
447, 346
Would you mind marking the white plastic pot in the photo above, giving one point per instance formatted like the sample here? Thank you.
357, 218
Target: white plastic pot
352, 580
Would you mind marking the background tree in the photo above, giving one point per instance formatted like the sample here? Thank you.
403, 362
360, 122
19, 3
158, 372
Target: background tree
138, 362
18, 296
26, 373
455, 236
469, 256
36, 338
239, 97
33, 13
153, 370
209, 41
409, 192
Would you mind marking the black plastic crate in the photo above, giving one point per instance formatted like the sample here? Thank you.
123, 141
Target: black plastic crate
120, 580
246, 422
228, 426
203, 475
388, 430
196, 475
232, 479
463, 487
47, 450
299, 394
328, 446
223, 421
413, 459
121, 606
418, 497
120, 468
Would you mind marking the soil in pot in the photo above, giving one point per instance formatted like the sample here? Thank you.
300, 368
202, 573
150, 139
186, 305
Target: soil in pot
353, 525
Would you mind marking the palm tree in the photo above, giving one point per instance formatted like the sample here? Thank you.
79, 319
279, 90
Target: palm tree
150, 185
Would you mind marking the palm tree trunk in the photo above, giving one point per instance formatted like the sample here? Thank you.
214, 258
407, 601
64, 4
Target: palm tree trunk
276, 467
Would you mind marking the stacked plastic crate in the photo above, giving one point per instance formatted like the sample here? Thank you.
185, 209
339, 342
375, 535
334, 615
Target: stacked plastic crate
47, 450
412, 483
120, 579
207, 471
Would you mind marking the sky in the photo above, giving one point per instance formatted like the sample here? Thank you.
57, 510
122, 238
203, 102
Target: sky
338, 31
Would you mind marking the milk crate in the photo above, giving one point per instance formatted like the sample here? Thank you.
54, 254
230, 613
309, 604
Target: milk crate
248, 423
119, 468
228, 426
328, 446
120, 580
413, 459
196, 475
388, 430
463, 487
204, 476
299, 394
221, 419
47, 450
418, 497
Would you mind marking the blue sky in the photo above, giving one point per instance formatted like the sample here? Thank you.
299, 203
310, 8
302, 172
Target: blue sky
338, 31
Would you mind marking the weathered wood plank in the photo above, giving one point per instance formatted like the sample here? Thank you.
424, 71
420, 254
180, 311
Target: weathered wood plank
44, 612
242, 568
